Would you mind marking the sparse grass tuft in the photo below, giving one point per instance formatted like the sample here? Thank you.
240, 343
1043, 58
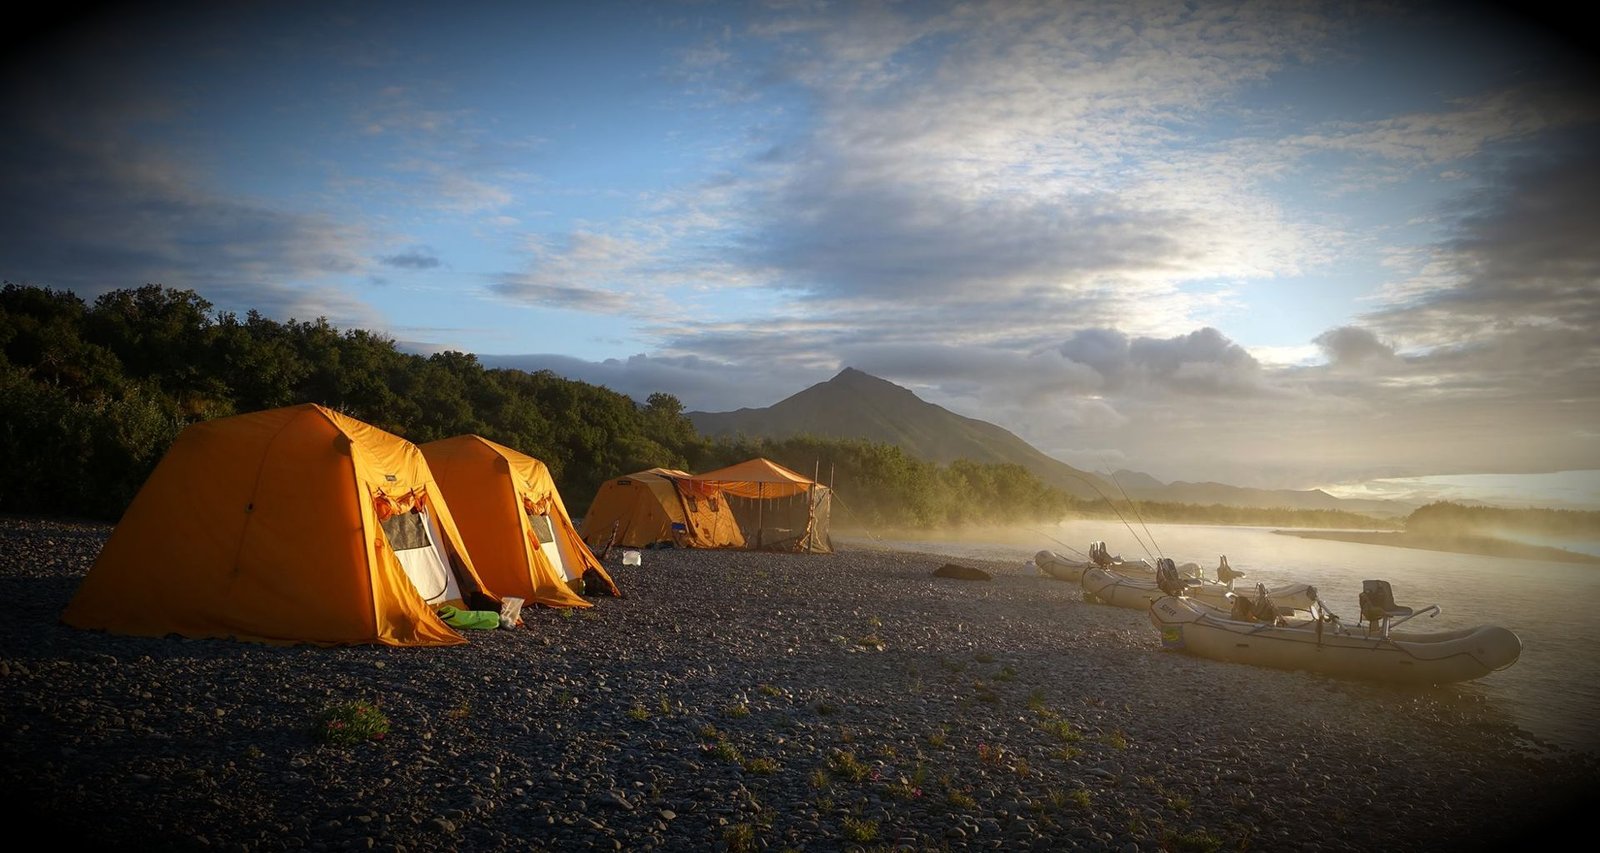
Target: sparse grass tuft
709, 732
1063, 731
819, 778
902, 790
769, 690
348, 723
638, 713
726, 752
740, 838
1036, 700
846, 764
1198, 841
1115, 739
860, 830
761, 766
737, 711
870, 641
960, 799
983, 657
1006, 673
827, 708
938, 739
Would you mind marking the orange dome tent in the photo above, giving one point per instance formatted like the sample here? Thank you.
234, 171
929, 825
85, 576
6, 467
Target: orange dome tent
653, 507
776, 508
756, 504
291, 525
514, 521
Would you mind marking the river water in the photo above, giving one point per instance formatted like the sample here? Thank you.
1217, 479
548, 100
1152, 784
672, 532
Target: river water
1552, 692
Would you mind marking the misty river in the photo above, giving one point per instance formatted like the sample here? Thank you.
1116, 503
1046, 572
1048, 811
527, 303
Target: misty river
1552, 692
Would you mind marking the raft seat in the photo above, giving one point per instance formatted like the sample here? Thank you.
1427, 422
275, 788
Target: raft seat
1377, 605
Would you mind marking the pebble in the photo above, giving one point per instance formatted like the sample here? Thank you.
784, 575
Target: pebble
727, 696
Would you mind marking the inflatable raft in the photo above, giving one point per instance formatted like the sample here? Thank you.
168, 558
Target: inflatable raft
1063, 568
1111, 586
1323, 644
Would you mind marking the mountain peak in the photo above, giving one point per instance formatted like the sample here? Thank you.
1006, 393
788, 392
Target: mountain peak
859, 381
856, 404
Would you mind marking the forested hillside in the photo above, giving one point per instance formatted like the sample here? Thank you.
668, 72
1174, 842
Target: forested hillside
95, 393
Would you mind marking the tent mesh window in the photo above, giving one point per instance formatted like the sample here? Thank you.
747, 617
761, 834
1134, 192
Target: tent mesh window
542, 529
406, 530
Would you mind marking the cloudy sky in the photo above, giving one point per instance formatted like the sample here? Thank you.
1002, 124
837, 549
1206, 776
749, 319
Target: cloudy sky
1267, 243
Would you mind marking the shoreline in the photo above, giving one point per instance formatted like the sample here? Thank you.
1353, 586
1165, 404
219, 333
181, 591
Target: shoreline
745, 700
1482, 546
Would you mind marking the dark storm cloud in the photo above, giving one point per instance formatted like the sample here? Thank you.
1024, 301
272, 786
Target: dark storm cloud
1352, 345
540, 294
833, 236
701, 384
1521, 301
1202, 362
85, 207
414, 259
92, 216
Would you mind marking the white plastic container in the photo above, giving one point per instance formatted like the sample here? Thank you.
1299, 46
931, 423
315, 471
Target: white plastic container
630, 558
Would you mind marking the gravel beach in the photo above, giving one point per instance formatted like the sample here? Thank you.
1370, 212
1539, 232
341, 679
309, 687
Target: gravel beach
746, 701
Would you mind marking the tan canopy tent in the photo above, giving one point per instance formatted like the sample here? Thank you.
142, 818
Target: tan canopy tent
648, 508
292, 525
776, 508
515, 524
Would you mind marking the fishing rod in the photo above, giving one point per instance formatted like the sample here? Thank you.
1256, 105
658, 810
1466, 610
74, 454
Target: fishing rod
1113, 505
1062, 544
1135, 507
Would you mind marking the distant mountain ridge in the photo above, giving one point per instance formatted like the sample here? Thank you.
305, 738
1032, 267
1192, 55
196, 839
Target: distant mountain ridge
858, 405
854, 404
1145, 487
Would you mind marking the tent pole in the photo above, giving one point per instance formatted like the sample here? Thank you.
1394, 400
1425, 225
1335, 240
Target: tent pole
811, 518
